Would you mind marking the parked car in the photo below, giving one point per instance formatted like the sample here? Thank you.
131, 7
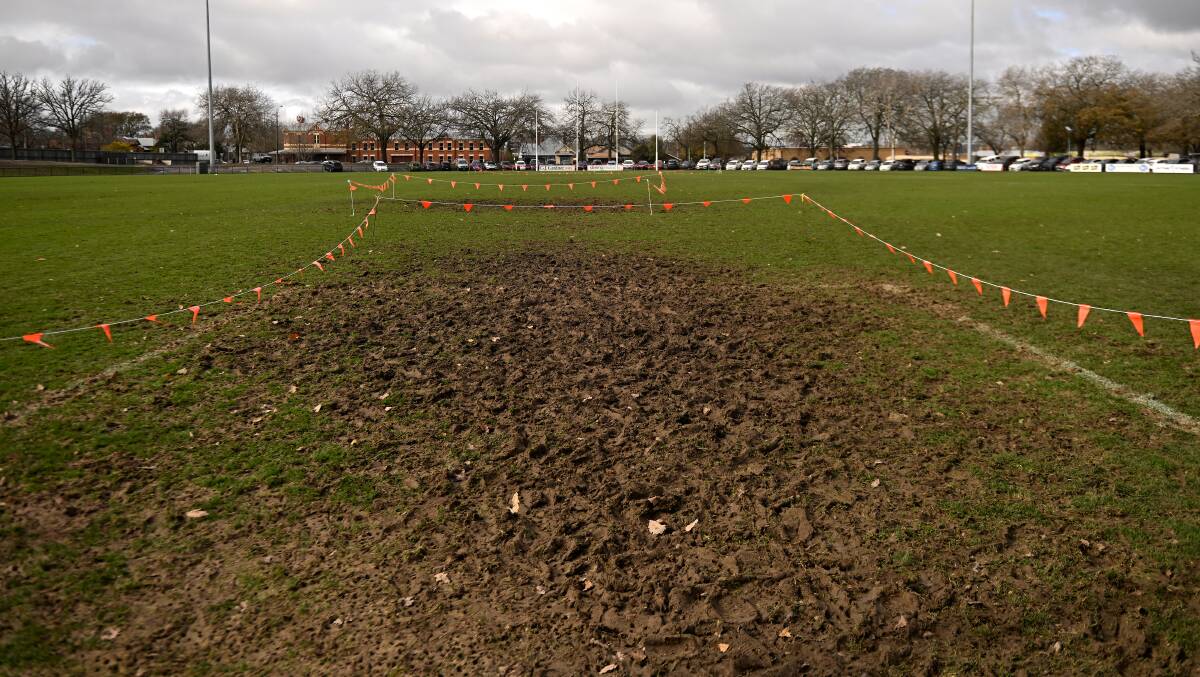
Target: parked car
903, 165
703, 163
331, 166
748, 165
461, 165
627, 164
920, 165
715, 164
1021, 164
489, 166
732, 165
795, 164
841, 164
506, 165
762, 165
872, 165
777, 164
1065, 165
824, 166
672, 164
856, 165
379, 166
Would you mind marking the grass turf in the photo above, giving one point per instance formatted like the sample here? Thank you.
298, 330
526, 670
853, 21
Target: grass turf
97, 249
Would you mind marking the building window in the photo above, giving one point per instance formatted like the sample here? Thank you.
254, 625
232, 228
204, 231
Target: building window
441, 146
354, 146
460, 145
405, 145
472, 145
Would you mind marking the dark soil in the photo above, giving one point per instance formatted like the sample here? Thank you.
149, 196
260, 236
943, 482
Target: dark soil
803, 489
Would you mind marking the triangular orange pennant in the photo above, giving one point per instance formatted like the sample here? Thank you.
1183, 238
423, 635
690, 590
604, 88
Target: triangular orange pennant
36, 339
258, 290
228, 299
425, 203
928, 267
587, 208
318, 265
1195, 327
746, 200
508, 208
195, 313
616, 181
341, 249
707, 203
152, 318
467, 207
953, 276
1006, 294
353, 188
593, 184
350, 239
547, 206
911, 259
1136, 319
500, 186
1042, 303
524, 186
667, 206
628, 208
429, 181
359, 229
453, 184
107, 331
890, 248
978, 286
329, 255
637, 179
547, 186
372, 212
407, 177
477, 186
1084, 309
787, 199
571, 186
859, 231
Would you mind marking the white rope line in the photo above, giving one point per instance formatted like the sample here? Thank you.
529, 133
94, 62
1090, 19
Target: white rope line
246, 292
468, 182
982, 281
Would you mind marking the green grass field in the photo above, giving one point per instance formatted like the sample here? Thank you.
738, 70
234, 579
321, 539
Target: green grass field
1043, 459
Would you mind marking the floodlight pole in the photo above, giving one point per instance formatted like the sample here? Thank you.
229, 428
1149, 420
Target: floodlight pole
537, 152
971, 95
212, 149
655, 140
617, 122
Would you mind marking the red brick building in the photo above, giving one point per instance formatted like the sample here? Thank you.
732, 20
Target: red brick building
319, 144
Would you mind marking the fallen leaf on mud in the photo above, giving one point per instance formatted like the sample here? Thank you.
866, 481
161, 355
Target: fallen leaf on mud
196, 514
515, 504
495, 339
1057, 647
657, 528
317, 409
785, 633
385, 396
39, 387
541, 590
896, 417
337, 622
901, 622
722, 648
110, 634
878, 462
706, 410
588, 585
387, 409
408, 601
875, 484
291, 390
608, 668
692, 525
442, 577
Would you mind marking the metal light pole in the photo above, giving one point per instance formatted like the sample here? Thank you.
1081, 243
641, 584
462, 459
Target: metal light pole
212, 149
278, 137
656, 140
617, 121
1069, 132
971, 95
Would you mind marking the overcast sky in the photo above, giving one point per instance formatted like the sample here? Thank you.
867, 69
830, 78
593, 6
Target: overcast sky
668, 55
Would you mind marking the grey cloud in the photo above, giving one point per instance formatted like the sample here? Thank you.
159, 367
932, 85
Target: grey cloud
672, 55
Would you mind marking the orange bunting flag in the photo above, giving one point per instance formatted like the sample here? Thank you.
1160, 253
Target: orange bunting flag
637, 179
787, 199
547, 206
429, 181
425, 203
318, 265
667, 206
195, 313
616, 181
911, 259
547, 186
859, 231
279, 280
453, 184
152, 318
1006, 293
467, 207
407, 177
978, 286
350, 239
805, 198
508, 208
571, 186
1042, 302
228, 299
501, 187
1195, 326
707, 203
928, 267
359, 229
36, 339
477, 187
258, 290
587, 208
341, 249
107, 331
1136, 319
593, 184
524, 186
890, 248
329, 255
746, 200
372, 212
628, 208
353, 188
953, 277
1084, 309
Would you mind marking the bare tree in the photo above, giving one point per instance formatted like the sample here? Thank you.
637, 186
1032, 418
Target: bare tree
241, 111
370, 102
1085, 94
809, 115
581, 118
873, 92
425, 119
69, 103
107, 126
173, 129
615, 125
19, 108
937, 115
498, 119
759, 112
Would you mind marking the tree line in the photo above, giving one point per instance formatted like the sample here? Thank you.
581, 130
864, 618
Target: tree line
1093, 101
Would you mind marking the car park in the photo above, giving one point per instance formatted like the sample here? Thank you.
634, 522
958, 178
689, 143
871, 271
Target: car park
379, 166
